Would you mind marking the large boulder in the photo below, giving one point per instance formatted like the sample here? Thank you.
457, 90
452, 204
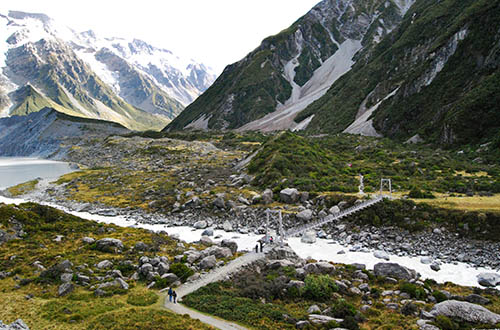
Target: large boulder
267, 196
309, 237
208, 232
285, 252
170, 278
230, 244
488, 279
394, 270
289, 195
227, 226
65, 289
319, 268
465, 311
200, 224
105, 264
109, 245
305, 215
208, 262
381, 255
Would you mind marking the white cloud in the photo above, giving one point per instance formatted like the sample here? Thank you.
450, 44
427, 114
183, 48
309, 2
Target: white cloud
217, 32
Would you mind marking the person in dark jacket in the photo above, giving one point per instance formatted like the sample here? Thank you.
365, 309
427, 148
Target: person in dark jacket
174, 294
170, 293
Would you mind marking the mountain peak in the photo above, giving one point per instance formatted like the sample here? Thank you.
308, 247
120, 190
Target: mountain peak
23, 15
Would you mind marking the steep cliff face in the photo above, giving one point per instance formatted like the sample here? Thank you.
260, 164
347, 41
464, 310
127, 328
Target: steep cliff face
290, 70
435, 75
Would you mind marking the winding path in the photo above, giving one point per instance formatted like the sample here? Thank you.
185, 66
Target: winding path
213, 276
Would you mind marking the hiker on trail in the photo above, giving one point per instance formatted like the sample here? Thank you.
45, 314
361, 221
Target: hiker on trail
260, 242
170, 293
256, 248
271, 240
174, 294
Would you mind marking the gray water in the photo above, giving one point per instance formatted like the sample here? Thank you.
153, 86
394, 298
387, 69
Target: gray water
14, 170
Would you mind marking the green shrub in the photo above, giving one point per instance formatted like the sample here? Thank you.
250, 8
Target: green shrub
445, 323
440, 297
319, 287
413, 290
182, 271
416, 193
342, 309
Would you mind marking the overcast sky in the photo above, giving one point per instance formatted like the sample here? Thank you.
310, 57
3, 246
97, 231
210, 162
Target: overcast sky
216, 32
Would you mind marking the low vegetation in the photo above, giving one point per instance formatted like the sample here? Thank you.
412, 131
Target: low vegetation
38, 234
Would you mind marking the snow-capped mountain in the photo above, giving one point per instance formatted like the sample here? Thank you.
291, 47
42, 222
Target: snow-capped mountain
43, 63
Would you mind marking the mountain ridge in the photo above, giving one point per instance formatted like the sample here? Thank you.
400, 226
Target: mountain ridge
89, 80
410, 54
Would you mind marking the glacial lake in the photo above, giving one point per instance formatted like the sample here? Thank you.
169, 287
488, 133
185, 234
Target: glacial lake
14, 170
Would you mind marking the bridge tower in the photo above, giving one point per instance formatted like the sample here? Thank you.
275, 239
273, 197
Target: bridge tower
385, 183
281, 231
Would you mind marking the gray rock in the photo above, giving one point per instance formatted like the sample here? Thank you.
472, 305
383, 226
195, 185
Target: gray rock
65, 289
220, 203
426, 260
88, 240
355, 291
488, 279
394, 270
109, 245
163, 268
200, 224
66, 277
146, 269
334, 210
381, 255
305, 215
232, 245
296, 284
105, 264
82, 278
289, 195
170, 278
208, 262
143, 260
208, 232
205, 240
435, 267
16, 325
121, 283
322, 319
308, 238
227, 226
477, 299
276, 264
141, 246
267, 196
424, 325
314, 309
302, 324
465, 311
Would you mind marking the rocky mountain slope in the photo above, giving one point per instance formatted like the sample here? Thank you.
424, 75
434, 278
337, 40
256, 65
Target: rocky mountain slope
48, 131
129, 82
421, 69
290, 70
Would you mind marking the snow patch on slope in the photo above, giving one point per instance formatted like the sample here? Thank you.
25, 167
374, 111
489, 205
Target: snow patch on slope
363, 125
323, 78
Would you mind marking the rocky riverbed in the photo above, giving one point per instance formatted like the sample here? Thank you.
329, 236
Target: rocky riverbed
433, 248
